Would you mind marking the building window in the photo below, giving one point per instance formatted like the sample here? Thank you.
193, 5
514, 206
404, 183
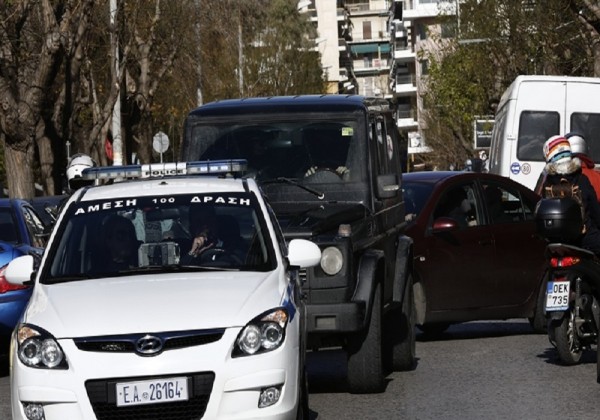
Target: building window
367, 29
422, 30
448, 30
424, 67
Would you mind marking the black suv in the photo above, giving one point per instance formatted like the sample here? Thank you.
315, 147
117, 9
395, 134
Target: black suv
331, 167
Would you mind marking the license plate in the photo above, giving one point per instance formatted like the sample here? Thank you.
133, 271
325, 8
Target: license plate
152, 391
557, 296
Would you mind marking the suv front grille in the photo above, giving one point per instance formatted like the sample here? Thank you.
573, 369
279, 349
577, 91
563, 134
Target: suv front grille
102, 395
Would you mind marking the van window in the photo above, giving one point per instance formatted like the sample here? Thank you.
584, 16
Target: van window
535, 127
589, 126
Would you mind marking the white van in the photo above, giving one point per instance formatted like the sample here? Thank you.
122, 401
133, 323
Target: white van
534, 108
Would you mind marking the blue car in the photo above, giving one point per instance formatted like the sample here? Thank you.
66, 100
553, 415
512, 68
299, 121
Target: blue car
22, 232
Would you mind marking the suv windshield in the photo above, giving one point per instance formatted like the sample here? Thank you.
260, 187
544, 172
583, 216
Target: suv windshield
160, 234
303, 150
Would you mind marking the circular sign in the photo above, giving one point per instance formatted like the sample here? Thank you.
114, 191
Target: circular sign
160, 142
515, 168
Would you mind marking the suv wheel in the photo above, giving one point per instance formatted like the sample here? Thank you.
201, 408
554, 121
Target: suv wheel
365, 364
401, 334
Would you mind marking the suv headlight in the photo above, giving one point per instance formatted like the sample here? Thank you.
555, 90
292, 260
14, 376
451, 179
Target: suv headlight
332, 260
264, 333
37, 348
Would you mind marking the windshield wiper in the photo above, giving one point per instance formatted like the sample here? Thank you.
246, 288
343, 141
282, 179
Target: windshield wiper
66, 279
283, 180
172, 268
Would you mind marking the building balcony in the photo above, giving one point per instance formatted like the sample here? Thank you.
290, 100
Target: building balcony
404, 85
403, 55
371, 66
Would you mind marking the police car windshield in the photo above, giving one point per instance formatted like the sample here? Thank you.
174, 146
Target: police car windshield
297, 149
138, 235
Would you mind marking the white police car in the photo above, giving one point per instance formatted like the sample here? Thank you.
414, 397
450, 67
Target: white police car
173, 297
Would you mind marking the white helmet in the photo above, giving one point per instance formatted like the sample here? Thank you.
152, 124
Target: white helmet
577, 142
77, 163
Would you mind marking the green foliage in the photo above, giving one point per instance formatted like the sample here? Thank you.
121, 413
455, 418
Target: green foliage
497, 40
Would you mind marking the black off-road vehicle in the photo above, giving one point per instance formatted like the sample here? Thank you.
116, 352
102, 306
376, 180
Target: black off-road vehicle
331, 167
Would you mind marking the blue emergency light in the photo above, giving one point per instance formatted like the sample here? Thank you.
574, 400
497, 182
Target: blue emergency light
161, 170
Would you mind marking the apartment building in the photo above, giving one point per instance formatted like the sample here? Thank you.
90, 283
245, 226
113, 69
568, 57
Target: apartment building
372, 48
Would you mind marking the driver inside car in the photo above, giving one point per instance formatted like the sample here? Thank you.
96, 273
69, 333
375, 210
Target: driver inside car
203, 228
328, 152
215, 238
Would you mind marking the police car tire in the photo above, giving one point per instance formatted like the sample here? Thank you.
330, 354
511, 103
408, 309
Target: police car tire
365, 356
303, 412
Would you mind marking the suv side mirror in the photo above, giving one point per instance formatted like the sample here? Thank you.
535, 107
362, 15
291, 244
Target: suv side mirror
388, 186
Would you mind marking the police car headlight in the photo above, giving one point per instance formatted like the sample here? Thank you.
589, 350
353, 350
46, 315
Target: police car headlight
262, 334
38, 349
332, 260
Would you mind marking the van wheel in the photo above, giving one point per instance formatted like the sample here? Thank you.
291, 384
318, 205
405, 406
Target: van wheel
365, 364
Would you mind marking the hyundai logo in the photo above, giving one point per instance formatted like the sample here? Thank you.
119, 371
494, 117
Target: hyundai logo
149, 345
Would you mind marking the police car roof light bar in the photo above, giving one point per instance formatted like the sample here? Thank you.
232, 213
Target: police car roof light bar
161, 170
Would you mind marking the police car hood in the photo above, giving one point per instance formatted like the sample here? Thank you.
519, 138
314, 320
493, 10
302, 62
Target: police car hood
304, 220
154, 303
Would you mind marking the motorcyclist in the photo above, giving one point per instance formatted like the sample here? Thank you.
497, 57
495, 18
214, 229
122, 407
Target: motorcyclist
77, 163
561, 164
580, 150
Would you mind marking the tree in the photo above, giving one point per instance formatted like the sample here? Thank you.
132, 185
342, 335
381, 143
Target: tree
497, 40
37, 39
60, 78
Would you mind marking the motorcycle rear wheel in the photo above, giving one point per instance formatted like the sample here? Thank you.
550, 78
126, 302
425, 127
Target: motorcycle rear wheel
566, 339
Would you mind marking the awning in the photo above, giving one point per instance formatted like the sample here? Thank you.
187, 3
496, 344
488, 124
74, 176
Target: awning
370, 48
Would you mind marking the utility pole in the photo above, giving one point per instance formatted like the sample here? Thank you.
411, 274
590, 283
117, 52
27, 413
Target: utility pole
197, 27
240, 54
116, 114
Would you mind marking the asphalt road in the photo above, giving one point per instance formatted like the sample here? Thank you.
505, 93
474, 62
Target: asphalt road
481, 370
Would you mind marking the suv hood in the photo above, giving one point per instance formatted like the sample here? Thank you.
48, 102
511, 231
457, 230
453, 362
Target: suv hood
305, 220
153, 303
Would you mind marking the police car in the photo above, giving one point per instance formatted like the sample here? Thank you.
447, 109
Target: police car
143, 309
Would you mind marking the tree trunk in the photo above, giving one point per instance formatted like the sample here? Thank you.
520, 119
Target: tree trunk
596, 48
46, 156
19, 172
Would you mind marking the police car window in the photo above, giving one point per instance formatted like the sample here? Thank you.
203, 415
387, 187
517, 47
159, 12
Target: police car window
535, 127
158, 233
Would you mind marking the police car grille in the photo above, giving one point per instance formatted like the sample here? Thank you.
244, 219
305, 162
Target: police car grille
126, 344
102, 395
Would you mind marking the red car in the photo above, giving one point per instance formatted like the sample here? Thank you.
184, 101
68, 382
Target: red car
476, 254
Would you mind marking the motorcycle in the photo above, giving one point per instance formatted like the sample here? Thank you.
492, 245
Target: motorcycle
572, 300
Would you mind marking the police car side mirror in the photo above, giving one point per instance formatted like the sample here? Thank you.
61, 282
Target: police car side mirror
388, 186
303, 253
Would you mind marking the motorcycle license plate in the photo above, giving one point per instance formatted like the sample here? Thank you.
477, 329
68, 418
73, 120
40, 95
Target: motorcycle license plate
557, 296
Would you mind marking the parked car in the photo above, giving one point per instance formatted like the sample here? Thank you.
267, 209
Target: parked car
48, 207
22, 232
164, 298
476, 254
